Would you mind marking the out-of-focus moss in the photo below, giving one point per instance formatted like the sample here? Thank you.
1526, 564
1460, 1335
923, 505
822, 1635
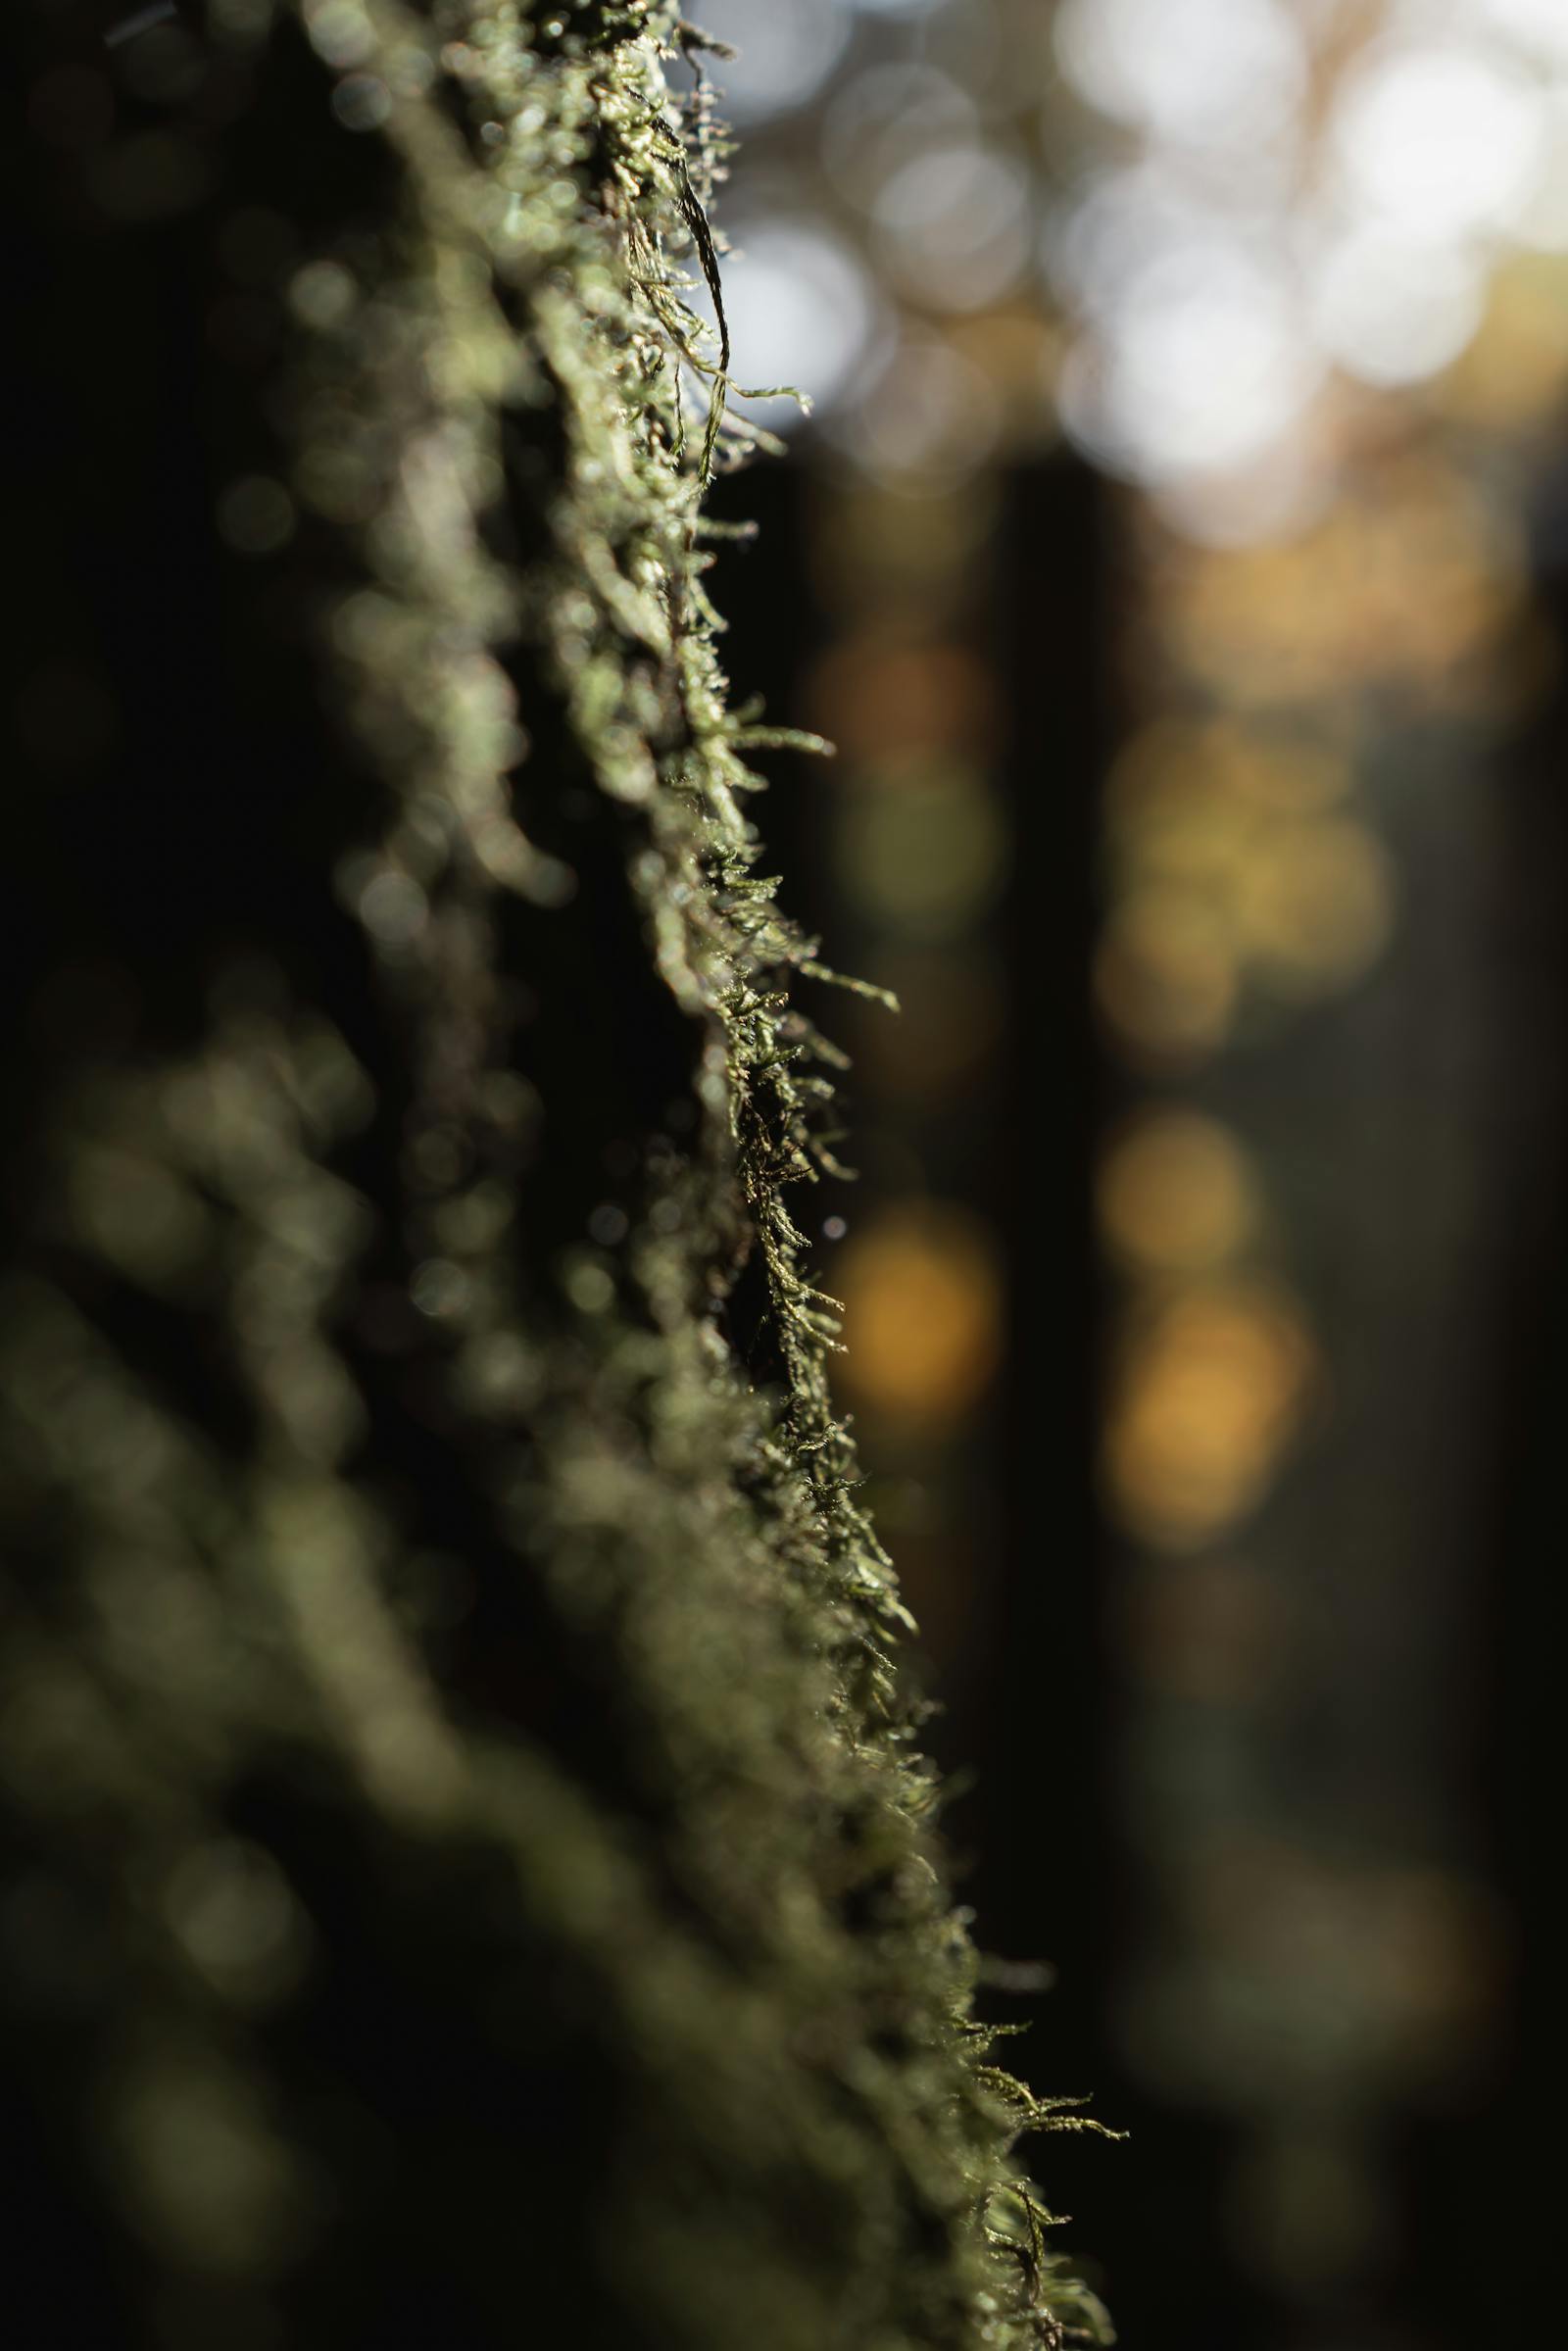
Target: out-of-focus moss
471, 1853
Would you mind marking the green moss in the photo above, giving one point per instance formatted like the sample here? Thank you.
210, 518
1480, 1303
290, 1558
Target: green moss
453, 1679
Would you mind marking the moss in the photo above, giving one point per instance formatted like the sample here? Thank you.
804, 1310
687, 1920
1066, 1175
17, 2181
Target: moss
473, 1851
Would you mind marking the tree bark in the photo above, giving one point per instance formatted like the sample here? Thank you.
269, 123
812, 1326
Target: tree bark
472, 1873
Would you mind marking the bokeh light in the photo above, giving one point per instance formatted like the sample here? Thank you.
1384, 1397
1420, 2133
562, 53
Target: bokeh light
1215, 72
1299, 201
953, 225
1439, 141
922, 1314
783, 54
1176, 1194
1212, 1389
802, 311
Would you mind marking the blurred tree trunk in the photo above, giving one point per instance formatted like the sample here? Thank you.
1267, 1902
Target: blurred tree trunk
467, 1853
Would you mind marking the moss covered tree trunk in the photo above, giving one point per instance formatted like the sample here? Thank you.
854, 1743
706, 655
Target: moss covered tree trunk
469, 1872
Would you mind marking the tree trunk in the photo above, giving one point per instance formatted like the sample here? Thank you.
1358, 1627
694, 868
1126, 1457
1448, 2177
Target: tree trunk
472, 1875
